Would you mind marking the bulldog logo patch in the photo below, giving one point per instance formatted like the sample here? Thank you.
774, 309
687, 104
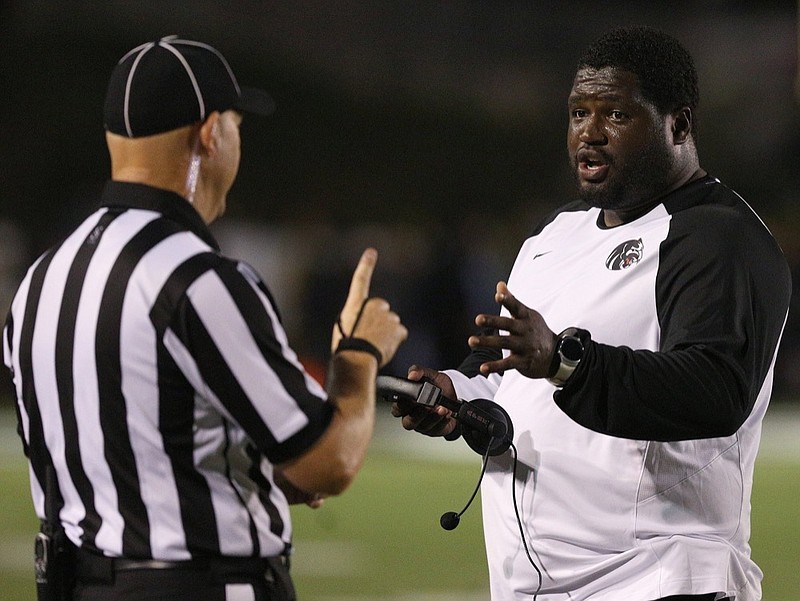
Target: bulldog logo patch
626, 255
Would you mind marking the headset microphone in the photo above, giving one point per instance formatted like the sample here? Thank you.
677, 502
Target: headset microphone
451, 519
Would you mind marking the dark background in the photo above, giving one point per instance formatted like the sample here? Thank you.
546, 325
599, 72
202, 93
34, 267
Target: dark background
430, 129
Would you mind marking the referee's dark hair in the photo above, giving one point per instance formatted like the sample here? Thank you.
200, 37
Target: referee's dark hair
665, 69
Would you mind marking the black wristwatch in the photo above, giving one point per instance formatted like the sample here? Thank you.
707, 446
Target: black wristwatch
568, 354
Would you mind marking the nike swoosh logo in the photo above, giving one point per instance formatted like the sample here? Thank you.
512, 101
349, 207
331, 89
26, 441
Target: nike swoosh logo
537, 255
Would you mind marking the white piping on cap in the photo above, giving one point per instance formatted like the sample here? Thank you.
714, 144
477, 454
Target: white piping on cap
165, 43
142, 51
218, 55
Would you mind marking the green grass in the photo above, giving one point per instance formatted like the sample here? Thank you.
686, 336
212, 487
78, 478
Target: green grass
776, 528
381, 539
18, 525
389, 521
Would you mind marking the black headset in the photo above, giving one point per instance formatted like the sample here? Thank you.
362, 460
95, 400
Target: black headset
486, 427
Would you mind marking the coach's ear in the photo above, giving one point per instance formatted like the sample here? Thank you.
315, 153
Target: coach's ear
681, 125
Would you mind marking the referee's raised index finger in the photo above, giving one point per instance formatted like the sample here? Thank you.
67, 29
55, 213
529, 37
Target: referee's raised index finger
362, 277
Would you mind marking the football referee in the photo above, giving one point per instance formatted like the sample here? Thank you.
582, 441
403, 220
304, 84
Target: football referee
167, 421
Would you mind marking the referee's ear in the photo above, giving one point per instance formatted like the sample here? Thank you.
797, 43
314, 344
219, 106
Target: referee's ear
209, 132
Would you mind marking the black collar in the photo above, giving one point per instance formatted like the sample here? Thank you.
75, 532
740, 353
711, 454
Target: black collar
172, 206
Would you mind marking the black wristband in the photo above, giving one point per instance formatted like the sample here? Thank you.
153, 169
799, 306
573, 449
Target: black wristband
359, 344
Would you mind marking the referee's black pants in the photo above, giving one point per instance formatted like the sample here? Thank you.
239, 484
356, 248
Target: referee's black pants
104, 579
172, 585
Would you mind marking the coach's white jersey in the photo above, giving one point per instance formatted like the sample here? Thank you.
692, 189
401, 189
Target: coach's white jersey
634, 483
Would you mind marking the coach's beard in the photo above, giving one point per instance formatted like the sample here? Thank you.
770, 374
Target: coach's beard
637, 183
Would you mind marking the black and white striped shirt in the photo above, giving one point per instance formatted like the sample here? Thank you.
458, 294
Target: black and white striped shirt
154, 374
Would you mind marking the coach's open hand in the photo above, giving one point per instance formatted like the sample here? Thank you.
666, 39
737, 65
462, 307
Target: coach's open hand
530, 341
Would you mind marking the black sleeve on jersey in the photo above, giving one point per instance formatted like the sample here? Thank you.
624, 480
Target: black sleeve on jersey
722, 294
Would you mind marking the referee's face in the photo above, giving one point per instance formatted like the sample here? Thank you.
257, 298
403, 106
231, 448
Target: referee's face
617, 141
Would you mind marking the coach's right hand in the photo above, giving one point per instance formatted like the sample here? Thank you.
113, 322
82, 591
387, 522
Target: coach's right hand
437, 421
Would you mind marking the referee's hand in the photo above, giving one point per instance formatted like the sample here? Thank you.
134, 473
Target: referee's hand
370, 319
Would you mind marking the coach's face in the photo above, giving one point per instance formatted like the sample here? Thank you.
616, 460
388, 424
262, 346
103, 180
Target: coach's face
618, 143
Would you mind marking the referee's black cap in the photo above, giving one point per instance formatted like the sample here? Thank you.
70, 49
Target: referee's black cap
169, 83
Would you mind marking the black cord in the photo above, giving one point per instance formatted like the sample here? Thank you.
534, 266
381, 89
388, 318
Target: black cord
519, 523
480, 478
351, 343
355, 323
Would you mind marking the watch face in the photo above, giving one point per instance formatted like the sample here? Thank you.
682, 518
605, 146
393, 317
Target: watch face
571, 348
